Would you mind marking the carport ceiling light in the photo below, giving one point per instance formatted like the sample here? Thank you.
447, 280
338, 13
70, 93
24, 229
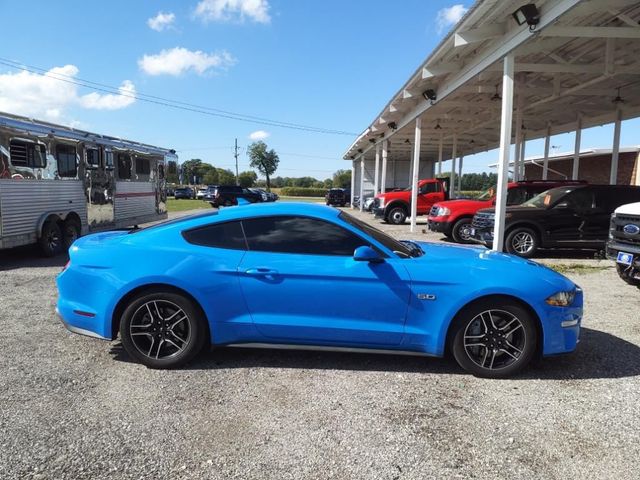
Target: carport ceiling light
528, 14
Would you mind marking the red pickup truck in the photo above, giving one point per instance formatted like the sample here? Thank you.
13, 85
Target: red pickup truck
453, 217
395, 207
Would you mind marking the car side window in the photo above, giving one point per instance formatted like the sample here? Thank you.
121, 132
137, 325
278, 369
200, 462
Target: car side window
516, 196
227, 235
432, 187
300, 235
580, 200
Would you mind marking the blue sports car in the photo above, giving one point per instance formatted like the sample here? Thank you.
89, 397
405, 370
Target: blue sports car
285, 274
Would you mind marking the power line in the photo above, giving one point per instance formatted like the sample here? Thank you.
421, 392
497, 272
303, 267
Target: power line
169, 102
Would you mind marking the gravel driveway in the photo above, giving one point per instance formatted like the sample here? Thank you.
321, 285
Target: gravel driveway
74, 407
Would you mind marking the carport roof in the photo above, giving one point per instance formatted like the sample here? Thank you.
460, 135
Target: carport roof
570, 66
584, 153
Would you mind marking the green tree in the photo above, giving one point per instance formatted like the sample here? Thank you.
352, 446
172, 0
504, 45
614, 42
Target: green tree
247, 179
226, 177
266, 161
342, 179
211, 177
328, 183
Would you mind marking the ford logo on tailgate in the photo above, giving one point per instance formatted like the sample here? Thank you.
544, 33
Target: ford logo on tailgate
631, 229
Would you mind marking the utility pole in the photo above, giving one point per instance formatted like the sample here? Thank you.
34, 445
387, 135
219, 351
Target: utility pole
236, 155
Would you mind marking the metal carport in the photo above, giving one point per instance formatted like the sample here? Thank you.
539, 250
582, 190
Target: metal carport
493, 83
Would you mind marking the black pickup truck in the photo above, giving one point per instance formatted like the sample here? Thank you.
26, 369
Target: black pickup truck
228, 195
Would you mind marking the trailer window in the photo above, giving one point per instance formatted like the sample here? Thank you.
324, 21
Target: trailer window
108, 160
124, 166
143, 166
161, 171
93, 157
66, 158
27, 154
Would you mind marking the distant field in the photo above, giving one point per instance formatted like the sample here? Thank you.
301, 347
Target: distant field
182, 205
302, 199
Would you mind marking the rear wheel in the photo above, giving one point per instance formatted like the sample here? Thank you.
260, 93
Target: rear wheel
50, 241
494, 339
461, 230
70, 232
522, 241
162, 329
396, 216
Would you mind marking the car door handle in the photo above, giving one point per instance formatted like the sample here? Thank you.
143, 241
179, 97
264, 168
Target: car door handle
261, 271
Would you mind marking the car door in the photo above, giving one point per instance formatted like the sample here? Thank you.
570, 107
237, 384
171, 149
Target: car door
566, 221
428, 194
302, 285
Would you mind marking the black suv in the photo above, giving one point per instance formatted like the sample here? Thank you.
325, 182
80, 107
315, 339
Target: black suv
574, 216
338, 196
227, 195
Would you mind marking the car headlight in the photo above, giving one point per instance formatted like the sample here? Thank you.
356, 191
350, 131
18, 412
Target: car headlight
561, 299
381, 202
443, 212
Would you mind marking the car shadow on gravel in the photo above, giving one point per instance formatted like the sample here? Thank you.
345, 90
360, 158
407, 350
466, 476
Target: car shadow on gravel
599, 355
29, 257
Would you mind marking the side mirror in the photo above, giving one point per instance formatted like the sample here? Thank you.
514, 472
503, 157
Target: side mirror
367, 254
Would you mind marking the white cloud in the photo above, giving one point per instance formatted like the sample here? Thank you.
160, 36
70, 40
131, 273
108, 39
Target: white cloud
178, 60
259, 135
111, 101
42, 96
448, 17
161, 21
233, 10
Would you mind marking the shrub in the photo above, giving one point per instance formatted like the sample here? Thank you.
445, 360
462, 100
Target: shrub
302, 192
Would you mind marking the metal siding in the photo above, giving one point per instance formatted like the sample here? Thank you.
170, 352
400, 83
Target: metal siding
134, 206
24, 202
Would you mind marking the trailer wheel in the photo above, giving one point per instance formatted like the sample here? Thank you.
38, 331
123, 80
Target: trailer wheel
70, 232
50, 241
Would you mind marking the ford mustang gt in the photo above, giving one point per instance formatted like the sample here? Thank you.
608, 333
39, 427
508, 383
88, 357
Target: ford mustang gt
308, 275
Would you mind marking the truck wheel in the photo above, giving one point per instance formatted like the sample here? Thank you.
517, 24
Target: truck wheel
625, 274
396, 216
50, 241
522, 241
460, 230
70, 232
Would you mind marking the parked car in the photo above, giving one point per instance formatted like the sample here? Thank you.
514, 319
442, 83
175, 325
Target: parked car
200, 193
624, 242
573, 216
183, 192
337, 196
227, 195
453, 217
395, 207
264, 196
309, 275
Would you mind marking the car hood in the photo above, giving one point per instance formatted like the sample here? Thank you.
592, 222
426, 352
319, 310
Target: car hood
463, 202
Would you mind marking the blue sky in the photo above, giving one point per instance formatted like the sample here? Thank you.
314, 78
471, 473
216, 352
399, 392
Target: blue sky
331, 64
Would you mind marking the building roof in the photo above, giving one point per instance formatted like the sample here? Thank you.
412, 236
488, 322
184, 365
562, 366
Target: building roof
584, 153
571, 65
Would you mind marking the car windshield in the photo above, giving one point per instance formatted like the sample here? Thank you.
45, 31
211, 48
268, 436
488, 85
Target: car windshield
487, 194
548, 198
402, 249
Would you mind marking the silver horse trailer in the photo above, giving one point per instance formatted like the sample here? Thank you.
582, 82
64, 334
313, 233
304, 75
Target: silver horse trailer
57, 183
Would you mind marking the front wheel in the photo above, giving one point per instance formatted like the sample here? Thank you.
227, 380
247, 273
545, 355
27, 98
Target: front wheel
494, 339
396, 216
461, 231
522, 241
162, 329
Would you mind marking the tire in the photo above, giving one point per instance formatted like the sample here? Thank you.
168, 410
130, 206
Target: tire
51, 241
494, 338
522, 241
163, 341
70, 232
459, 232
623, 273
396, 215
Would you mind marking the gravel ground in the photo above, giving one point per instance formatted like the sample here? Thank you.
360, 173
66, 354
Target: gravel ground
75, 408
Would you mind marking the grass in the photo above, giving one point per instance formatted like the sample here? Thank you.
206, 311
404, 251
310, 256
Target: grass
302, 199
183, 205
578, 268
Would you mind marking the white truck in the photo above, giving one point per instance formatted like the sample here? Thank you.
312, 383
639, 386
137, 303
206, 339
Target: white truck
624, 242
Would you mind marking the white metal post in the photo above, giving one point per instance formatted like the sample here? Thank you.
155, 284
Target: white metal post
460, 173
361, 182
518, 146
383, 180
523, 144
454, 152
353, 181
613, 178
547, 144
376, 177
505, 148
416, 170
576, 149
440, 147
